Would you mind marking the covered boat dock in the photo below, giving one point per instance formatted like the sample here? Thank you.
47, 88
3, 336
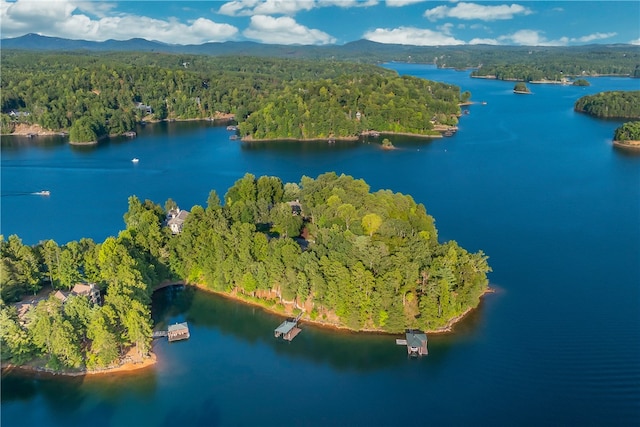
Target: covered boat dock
288, 329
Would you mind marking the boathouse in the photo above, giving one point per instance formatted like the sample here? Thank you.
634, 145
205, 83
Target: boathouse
288, 329
416, 342
178, 331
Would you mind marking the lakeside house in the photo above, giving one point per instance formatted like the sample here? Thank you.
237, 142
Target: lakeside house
175, 219
144, 107
296, 207
89, 290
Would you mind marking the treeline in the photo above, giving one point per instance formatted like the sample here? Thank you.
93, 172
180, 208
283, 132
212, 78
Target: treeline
614, 104
94, 95
327, 245
555, 63
348, 105
75, 333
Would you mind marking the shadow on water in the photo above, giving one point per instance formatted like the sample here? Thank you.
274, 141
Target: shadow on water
23, 142
342, 350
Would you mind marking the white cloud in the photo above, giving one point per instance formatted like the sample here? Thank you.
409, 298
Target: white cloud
531, 38
284, 30
484, 41
411, 36
470, 11
401, 3
285, 7
636, 42
62, 18
594, 36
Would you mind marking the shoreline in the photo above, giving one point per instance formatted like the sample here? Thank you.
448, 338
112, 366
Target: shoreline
24, 129
125, 366
128, 364
632, 145
448, 328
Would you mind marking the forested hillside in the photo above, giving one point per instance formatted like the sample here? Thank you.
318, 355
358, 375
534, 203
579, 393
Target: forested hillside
92, 95
615, 104
347, 256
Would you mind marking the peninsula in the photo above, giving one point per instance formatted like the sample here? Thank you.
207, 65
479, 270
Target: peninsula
346, 257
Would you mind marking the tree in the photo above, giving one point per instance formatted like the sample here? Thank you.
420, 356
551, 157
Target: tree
371, 222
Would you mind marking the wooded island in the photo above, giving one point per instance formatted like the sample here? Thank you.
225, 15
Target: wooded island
327, 246
92, 96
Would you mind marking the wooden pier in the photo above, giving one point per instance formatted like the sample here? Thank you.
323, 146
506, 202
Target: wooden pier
288, 329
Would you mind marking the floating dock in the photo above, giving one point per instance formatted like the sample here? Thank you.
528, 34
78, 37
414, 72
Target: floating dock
288, 329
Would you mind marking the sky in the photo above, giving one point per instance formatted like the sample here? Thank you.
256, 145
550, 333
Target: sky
322, 22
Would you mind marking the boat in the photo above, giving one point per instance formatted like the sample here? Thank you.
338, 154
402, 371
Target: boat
43, 193
130, 134
135, 160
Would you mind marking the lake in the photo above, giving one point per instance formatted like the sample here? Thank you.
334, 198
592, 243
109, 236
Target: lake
536, 186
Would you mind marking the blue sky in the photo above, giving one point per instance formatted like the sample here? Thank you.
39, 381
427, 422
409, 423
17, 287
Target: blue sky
320, 22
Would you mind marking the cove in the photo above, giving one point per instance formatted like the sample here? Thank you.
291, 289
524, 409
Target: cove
537, 187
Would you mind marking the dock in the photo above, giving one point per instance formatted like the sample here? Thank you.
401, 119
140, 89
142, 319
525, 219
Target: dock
416, 342
175, 332
178, 331
288, 329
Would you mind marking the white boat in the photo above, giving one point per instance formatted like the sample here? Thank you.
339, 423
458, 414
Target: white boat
43, 193
135, 160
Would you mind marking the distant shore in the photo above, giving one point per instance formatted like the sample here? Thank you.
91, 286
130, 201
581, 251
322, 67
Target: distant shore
25, 129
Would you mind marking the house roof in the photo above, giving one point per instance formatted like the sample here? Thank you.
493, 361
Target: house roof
285, 327
416, 339
83, 288
62, 296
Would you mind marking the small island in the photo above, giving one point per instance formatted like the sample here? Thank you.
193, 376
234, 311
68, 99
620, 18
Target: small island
628, 136
521, 89
327, 247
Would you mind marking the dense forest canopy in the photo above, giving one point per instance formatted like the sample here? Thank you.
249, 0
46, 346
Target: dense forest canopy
540, 62
329, 246
614, 104
91, 95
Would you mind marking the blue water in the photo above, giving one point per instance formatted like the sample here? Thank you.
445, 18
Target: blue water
535, 185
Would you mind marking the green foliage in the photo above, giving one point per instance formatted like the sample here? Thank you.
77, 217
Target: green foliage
629, 131
86, 129
614, 104
373, 261
521, 87
581, 82
350, 104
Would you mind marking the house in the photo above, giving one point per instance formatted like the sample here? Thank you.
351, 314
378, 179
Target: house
89, 290
296, 207
144, 107
16, 113
62, 296
175, 219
